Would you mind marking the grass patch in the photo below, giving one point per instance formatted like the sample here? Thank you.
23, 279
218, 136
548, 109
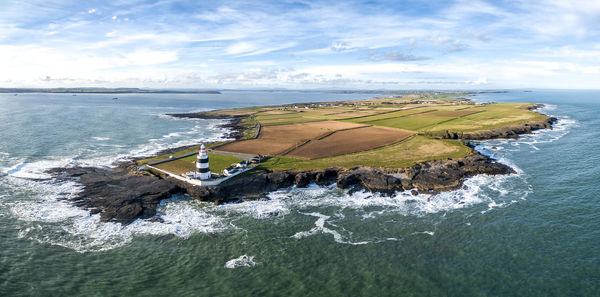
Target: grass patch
216, 163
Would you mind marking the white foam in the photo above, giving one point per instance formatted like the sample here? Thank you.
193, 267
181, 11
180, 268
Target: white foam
321, 229
37, 170
430, 233
258, 209
204, 131
241, 261
100, 138
82, 232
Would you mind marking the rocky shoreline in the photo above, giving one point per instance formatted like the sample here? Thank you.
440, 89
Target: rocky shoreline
124, 194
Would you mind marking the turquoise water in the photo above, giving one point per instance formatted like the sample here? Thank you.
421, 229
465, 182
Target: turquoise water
534, 233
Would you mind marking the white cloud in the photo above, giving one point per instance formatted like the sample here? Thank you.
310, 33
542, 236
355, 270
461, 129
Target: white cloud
150, 57
265, 50
240, 48
480, 81
114, 17
92, 10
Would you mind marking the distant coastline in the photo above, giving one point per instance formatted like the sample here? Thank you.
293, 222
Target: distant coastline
103, 91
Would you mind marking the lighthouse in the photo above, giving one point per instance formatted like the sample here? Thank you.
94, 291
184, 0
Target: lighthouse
202, 164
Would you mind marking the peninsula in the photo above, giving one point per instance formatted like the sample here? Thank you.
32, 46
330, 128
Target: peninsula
417, 142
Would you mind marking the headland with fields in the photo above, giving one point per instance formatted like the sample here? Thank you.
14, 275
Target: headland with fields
415, 142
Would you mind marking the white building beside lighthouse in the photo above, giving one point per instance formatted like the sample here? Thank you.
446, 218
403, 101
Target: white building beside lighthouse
202, 164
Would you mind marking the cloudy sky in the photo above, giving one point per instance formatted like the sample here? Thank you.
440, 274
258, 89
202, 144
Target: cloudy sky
300, 44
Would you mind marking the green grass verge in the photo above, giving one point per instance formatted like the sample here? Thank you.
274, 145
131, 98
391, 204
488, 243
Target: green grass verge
216, 163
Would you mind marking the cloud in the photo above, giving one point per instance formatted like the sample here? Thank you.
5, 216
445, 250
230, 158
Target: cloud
449, 44
482, 36
91, 10
395, 56
480, 81
150, 57
340, 46
114, 17
240, 48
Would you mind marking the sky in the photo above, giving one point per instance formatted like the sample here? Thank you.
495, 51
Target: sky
427, 44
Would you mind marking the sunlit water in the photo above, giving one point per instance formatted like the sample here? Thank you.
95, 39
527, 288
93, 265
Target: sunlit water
534, 233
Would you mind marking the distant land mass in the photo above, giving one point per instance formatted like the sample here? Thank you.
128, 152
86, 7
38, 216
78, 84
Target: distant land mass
104, 91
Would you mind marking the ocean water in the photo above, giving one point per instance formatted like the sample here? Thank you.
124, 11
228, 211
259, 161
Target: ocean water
534, 233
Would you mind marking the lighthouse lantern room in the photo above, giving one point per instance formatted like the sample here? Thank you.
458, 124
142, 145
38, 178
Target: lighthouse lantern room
202, 164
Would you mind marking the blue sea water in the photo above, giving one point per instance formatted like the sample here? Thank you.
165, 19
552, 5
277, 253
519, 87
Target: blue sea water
534, 233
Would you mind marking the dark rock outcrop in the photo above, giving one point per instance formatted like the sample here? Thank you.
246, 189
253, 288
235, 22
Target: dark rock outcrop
121, 194
124, 194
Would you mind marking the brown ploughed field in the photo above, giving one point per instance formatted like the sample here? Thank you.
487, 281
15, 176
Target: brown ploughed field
296, 132
350, 141
333, 125
266, 147
274, 140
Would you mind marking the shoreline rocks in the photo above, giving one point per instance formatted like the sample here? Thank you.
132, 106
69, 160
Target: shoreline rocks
428, 177
123, 194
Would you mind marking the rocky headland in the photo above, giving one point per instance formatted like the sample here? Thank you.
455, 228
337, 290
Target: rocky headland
125, 193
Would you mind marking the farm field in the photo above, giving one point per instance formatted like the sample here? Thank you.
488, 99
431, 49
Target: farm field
267, 147
410, 122
275, 140
350, 141
300, 132
492, 116
414, 150
388, 114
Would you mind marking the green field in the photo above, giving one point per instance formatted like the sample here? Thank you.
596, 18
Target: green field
410, 123
493, 116
216, 163
390, 115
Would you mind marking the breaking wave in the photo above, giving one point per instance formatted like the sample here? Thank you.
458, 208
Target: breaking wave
241, 261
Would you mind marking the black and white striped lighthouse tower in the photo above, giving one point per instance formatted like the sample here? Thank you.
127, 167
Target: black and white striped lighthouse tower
202, 163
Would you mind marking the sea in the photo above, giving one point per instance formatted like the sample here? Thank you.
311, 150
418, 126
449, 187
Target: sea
533, 233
